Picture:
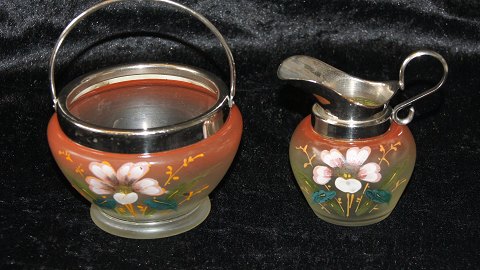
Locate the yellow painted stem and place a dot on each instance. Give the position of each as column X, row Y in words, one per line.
column 173, row 175
column 339, row 204
column 326, row 210
column 361, row 197
column 399, row 183
column 130, row 209
column 350, row 198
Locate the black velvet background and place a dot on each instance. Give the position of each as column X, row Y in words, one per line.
column 259, row 217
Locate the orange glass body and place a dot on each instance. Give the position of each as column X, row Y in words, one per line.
column 148, row 186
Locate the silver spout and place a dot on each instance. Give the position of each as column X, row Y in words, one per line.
column 340, row 94
column 349, row 107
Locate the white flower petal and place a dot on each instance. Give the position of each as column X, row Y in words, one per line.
column 123, row 198
column 148, row 186
column 370, row 172
column 349, row 185
column 103, row 171
column 321, row 175
column 146, row 182
column 351, row 155
column 123, row 172
column 332, row 158
column 92, row 181
column 100, row 191
column 100, row 187
column 356, row 156
column 153, row 191
column 137, row 171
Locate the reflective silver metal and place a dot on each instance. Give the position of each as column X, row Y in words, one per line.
column 164, row 129
column 349, row 107
column 86, row 13
column 346, row 95
column 134, row 127
column 330, row 126
column 410, row 101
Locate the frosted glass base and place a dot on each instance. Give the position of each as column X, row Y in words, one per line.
column 151, row 230
column 353, row 223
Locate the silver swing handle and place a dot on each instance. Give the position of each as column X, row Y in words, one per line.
column 410, row 101
column 86, row 13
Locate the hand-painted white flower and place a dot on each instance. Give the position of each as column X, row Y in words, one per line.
column 125, row 183
column 347, row 170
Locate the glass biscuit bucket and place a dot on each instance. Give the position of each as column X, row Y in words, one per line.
column 145, row 143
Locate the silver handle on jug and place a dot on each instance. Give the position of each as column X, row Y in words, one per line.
column 410, row 101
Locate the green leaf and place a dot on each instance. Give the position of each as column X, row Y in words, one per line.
column 388, row 180
column 308, row 180
column 322, row 196
column 334, row 205
column 365, row 207
column 378, row 195
column 105, row 203
column 161, row 204
column 184, row 187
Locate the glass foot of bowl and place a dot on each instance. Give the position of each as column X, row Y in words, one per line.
column 151, row 230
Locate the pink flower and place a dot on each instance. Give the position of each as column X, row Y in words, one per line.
column 125, row 183
column 348, row 171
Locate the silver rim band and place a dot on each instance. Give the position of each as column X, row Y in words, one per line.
column 141, row 140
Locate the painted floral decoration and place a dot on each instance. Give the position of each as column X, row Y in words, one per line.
column 124, row 184
column 347, row 170
column 127, row 192
column 360, row 188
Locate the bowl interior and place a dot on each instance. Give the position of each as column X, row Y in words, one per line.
column 142, row 104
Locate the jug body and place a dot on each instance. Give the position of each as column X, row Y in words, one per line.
column 354, row 155
column 352, row 182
